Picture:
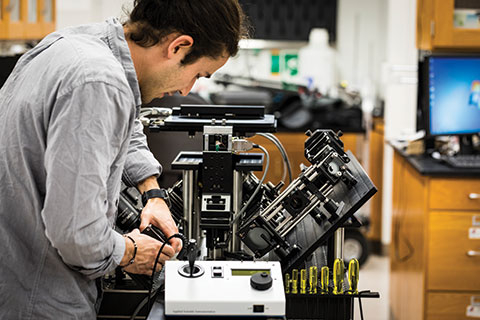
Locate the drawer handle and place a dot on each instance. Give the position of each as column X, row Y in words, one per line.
column 474, row 196
column 473, row 253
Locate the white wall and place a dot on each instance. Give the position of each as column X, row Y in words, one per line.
column 376, row 46
column 75, row 12
column 361, row 42
column 400, row 91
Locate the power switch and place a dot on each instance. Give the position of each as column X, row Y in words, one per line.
column 258, row 308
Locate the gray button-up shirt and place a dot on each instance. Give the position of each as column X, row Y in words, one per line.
column 67, row 133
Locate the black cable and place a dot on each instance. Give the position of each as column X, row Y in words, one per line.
column 184, row 241
column 140, row 306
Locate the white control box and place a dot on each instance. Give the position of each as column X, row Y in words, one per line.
column 224, row 288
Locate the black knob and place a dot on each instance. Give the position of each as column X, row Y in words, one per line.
column 261, row 281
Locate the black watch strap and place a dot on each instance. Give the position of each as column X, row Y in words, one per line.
column 154, row 193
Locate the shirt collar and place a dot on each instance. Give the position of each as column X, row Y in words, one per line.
column 118, row 45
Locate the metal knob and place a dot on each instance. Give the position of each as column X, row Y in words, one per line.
column 473, row 253
column 474, row 196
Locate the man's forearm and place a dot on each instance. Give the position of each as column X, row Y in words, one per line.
column 156, row 212
column 129, row 252
column 148, row 184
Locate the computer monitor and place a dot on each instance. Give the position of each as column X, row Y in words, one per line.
column 449, row 95
column 454, row 95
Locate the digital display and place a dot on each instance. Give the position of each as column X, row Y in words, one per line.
column 454, row 95
column 248, row 272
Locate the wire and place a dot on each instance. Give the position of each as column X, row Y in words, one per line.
column 260, row 183
column 286, row 161
column 280, row 148
column 285, row 154
column 140, row 306
column 177, row 235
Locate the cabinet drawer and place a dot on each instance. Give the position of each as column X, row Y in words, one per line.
column 449, row 265
column 448, row 306
column 455, row 194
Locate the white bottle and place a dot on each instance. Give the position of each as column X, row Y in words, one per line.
column 317, row 62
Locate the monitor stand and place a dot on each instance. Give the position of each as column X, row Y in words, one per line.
column 466, row 144
column 429, row 145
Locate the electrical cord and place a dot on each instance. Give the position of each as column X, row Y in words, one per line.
column 282, row 152
column 184, row 242
column 259, row 187
column 286, row 161
column 285, row 155
column 141, row 305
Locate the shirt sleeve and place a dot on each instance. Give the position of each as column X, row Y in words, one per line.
column 140, row 163
column 83, row 144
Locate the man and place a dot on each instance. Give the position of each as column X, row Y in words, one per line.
column 68, row 135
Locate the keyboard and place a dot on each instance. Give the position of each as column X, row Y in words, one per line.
column 466, row 161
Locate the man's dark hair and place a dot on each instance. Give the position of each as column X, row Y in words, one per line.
column 216, row 26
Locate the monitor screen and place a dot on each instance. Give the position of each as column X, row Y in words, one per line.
column 454, row 95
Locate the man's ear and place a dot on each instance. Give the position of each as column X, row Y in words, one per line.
column 180, row 45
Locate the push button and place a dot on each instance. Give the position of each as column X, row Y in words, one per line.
column 217, row 272
column 258, row 308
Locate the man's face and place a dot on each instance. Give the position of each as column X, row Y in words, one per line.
column 167, row 78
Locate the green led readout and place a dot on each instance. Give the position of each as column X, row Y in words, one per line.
column 248, row 272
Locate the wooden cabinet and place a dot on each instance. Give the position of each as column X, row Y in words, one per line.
column 450, row 266
column 13, row 15
column 3, row 20
column 32, row 24
column 433, row 273
column 47, row 11
column 454, row 194
column 294, row 144
column 26, row 19
column 436, row 29
column 448, row 306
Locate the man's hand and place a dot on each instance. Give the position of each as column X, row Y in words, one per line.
column 156, row 212
column 147, row 250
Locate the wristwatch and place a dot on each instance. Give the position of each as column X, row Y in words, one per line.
column 155, row 193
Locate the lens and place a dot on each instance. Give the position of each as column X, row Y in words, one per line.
column 128, row 218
